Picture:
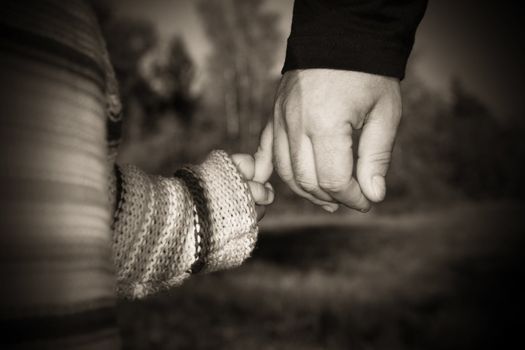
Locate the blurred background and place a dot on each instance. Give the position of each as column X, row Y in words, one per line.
column 436, row 266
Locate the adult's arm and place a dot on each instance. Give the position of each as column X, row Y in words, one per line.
column 372, row 36
column 344, row 61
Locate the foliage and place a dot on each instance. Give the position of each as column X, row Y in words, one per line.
column 454, row 148
column 447, row 147
column 156, row 89
column 240, row 85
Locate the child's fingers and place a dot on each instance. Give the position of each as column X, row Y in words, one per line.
column 246, row 165
column 260, row 210
column 262, row 194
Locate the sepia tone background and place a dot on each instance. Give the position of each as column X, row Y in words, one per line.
column 436, row 266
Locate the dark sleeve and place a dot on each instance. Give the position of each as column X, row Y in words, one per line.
column 373, row 36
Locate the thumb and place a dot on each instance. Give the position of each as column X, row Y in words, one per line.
column 245, row 164
column 375, row 149
column 263, row 156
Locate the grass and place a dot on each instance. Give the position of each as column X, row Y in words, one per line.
column 440, row 280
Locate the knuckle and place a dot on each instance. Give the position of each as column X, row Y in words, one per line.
column 320, row 125
column 283, row 171
column 380, row 158
column 307, row 185
column 282, row 102
column 293, row 119
column 392, row 110
column 285, row 176
column 333, row 185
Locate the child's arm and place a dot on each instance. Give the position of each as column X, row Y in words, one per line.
column 202, row 219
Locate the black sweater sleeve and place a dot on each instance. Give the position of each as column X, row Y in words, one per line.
column 373, row 36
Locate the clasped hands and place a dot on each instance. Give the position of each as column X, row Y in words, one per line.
column 309, row 139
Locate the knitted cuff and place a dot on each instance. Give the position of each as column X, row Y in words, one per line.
column 160, row 233
column 233, row 220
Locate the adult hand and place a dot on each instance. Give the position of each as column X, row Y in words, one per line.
column 310, row 135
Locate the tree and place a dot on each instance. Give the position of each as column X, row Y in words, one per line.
column 166, row 81
column 155, row 81
column 244, row 37
column 479, row 154
column 128, row 40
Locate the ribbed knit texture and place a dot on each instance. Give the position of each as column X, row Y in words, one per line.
column 154, row 242
column 59, row 258
column 58, row 285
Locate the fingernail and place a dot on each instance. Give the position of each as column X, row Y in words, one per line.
column 270, row 194
column 378, row 182
column 330, row 208
column 271, row 197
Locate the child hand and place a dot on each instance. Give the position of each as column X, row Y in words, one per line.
column 263, row 194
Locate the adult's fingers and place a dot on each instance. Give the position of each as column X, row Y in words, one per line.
column 375, row 148
column 303, row 165
column 334, row 164
column 283, row 166
column 263, row 156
